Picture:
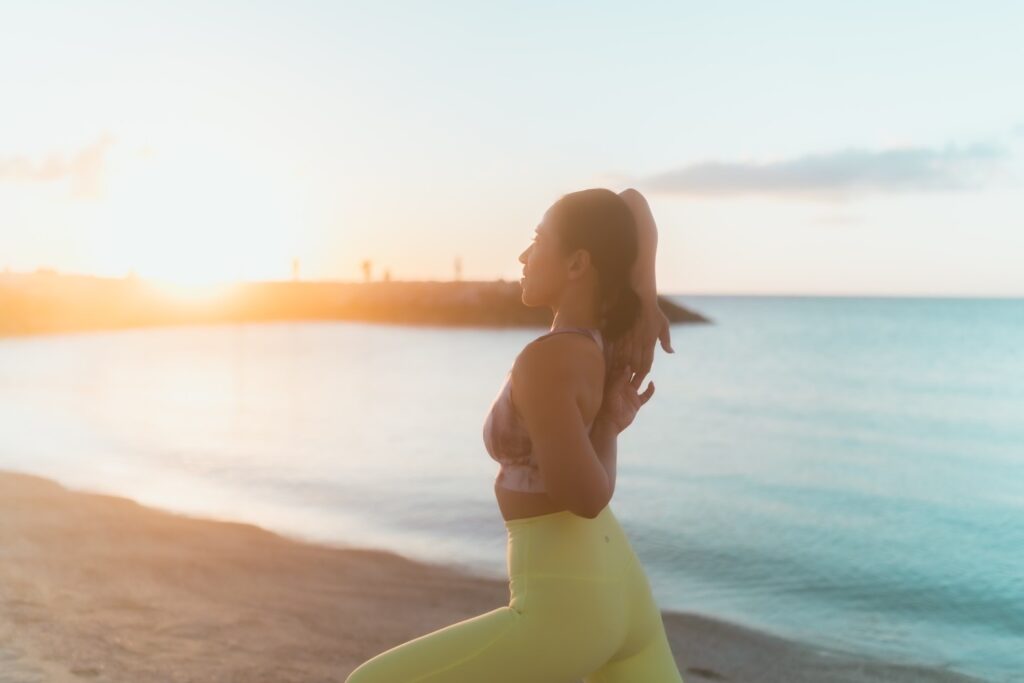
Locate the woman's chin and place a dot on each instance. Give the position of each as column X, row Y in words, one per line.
column 528, row 296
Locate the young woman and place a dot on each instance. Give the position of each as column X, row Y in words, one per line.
column 581, row 606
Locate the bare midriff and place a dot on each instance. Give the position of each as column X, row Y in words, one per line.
column 519, row 504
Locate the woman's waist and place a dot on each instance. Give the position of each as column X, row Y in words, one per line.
column 562, row 543
column 519, row 503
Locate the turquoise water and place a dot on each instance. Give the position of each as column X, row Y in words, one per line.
column 845, row 471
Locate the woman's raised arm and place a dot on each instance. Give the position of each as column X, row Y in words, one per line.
column 636, row 348
column 643, row 274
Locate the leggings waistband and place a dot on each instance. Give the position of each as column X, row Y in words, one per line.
column 567, row 545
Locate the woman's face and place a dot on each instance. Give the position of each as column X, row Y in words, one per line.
column 543, row 266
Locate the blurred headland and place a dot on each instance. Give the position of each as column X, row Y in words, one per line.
column 46, row 301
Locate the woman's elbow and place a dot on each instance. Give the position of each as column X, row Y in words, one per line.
column 602, row 503
column 587, row 510
column 586, row 496
column 631, row 194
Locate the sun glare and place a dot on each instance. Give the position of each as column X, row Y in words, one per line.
column 195, row 221
column 195, row 291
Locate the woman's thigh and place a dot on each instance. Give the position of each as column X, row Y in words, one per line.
column 463, row 649
column 556, row 630
column 569, row 613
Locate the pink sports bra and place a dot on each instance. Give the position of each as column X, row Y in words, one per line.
column 506, row 438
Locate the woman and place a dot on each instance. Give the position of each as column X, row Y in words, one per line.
column 580, row 606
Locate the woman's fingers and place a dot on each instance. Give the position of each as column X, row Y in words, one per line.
column 633, row 398
column 619, row 374
column 626, row 349
column 666, row 339
column 648, row 351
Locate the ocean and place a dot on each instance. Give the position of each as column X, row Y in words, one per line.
column 844, row 471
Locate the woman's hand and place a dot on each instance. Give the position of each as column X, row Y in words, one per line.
column 622, row 399
column 636, row 347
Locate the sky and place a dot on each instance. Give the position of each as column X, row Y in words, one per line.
column 784, row 148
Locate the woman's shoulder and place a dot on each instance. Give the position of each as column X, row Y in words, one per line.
column 562, row 356
column 546, row 369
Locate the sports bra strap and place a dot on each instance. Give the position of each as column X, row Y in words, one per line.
column 582, row 330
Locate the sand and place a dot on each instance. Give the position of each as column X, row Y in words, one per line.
column 99, row 588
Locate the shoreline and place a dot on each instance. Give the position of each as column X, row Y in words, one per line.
column 98, row 587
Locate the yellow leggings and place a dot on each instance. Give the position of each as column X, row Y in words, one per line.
column 580, row 608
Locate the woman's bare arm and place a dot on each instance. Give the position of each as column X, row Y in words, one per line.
column 604, row 433
column 643, row 273
column 636, row 347
column 547, row 377
column 604, row 438
column 620, row 404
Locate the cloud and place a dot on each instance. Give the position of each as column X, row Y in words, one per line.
column 84, row 169
column 833, row 175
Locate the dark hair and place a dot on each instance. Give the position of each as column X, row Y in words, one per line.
column 601, row 222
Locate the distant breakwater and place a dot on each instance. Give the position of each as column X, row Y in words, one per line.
column 40, row 303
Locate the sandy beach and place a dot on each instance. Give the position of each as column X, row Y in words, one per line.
column 99, row 588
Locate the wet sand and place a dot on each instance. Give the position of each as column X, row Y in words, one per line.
column 99, row 588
